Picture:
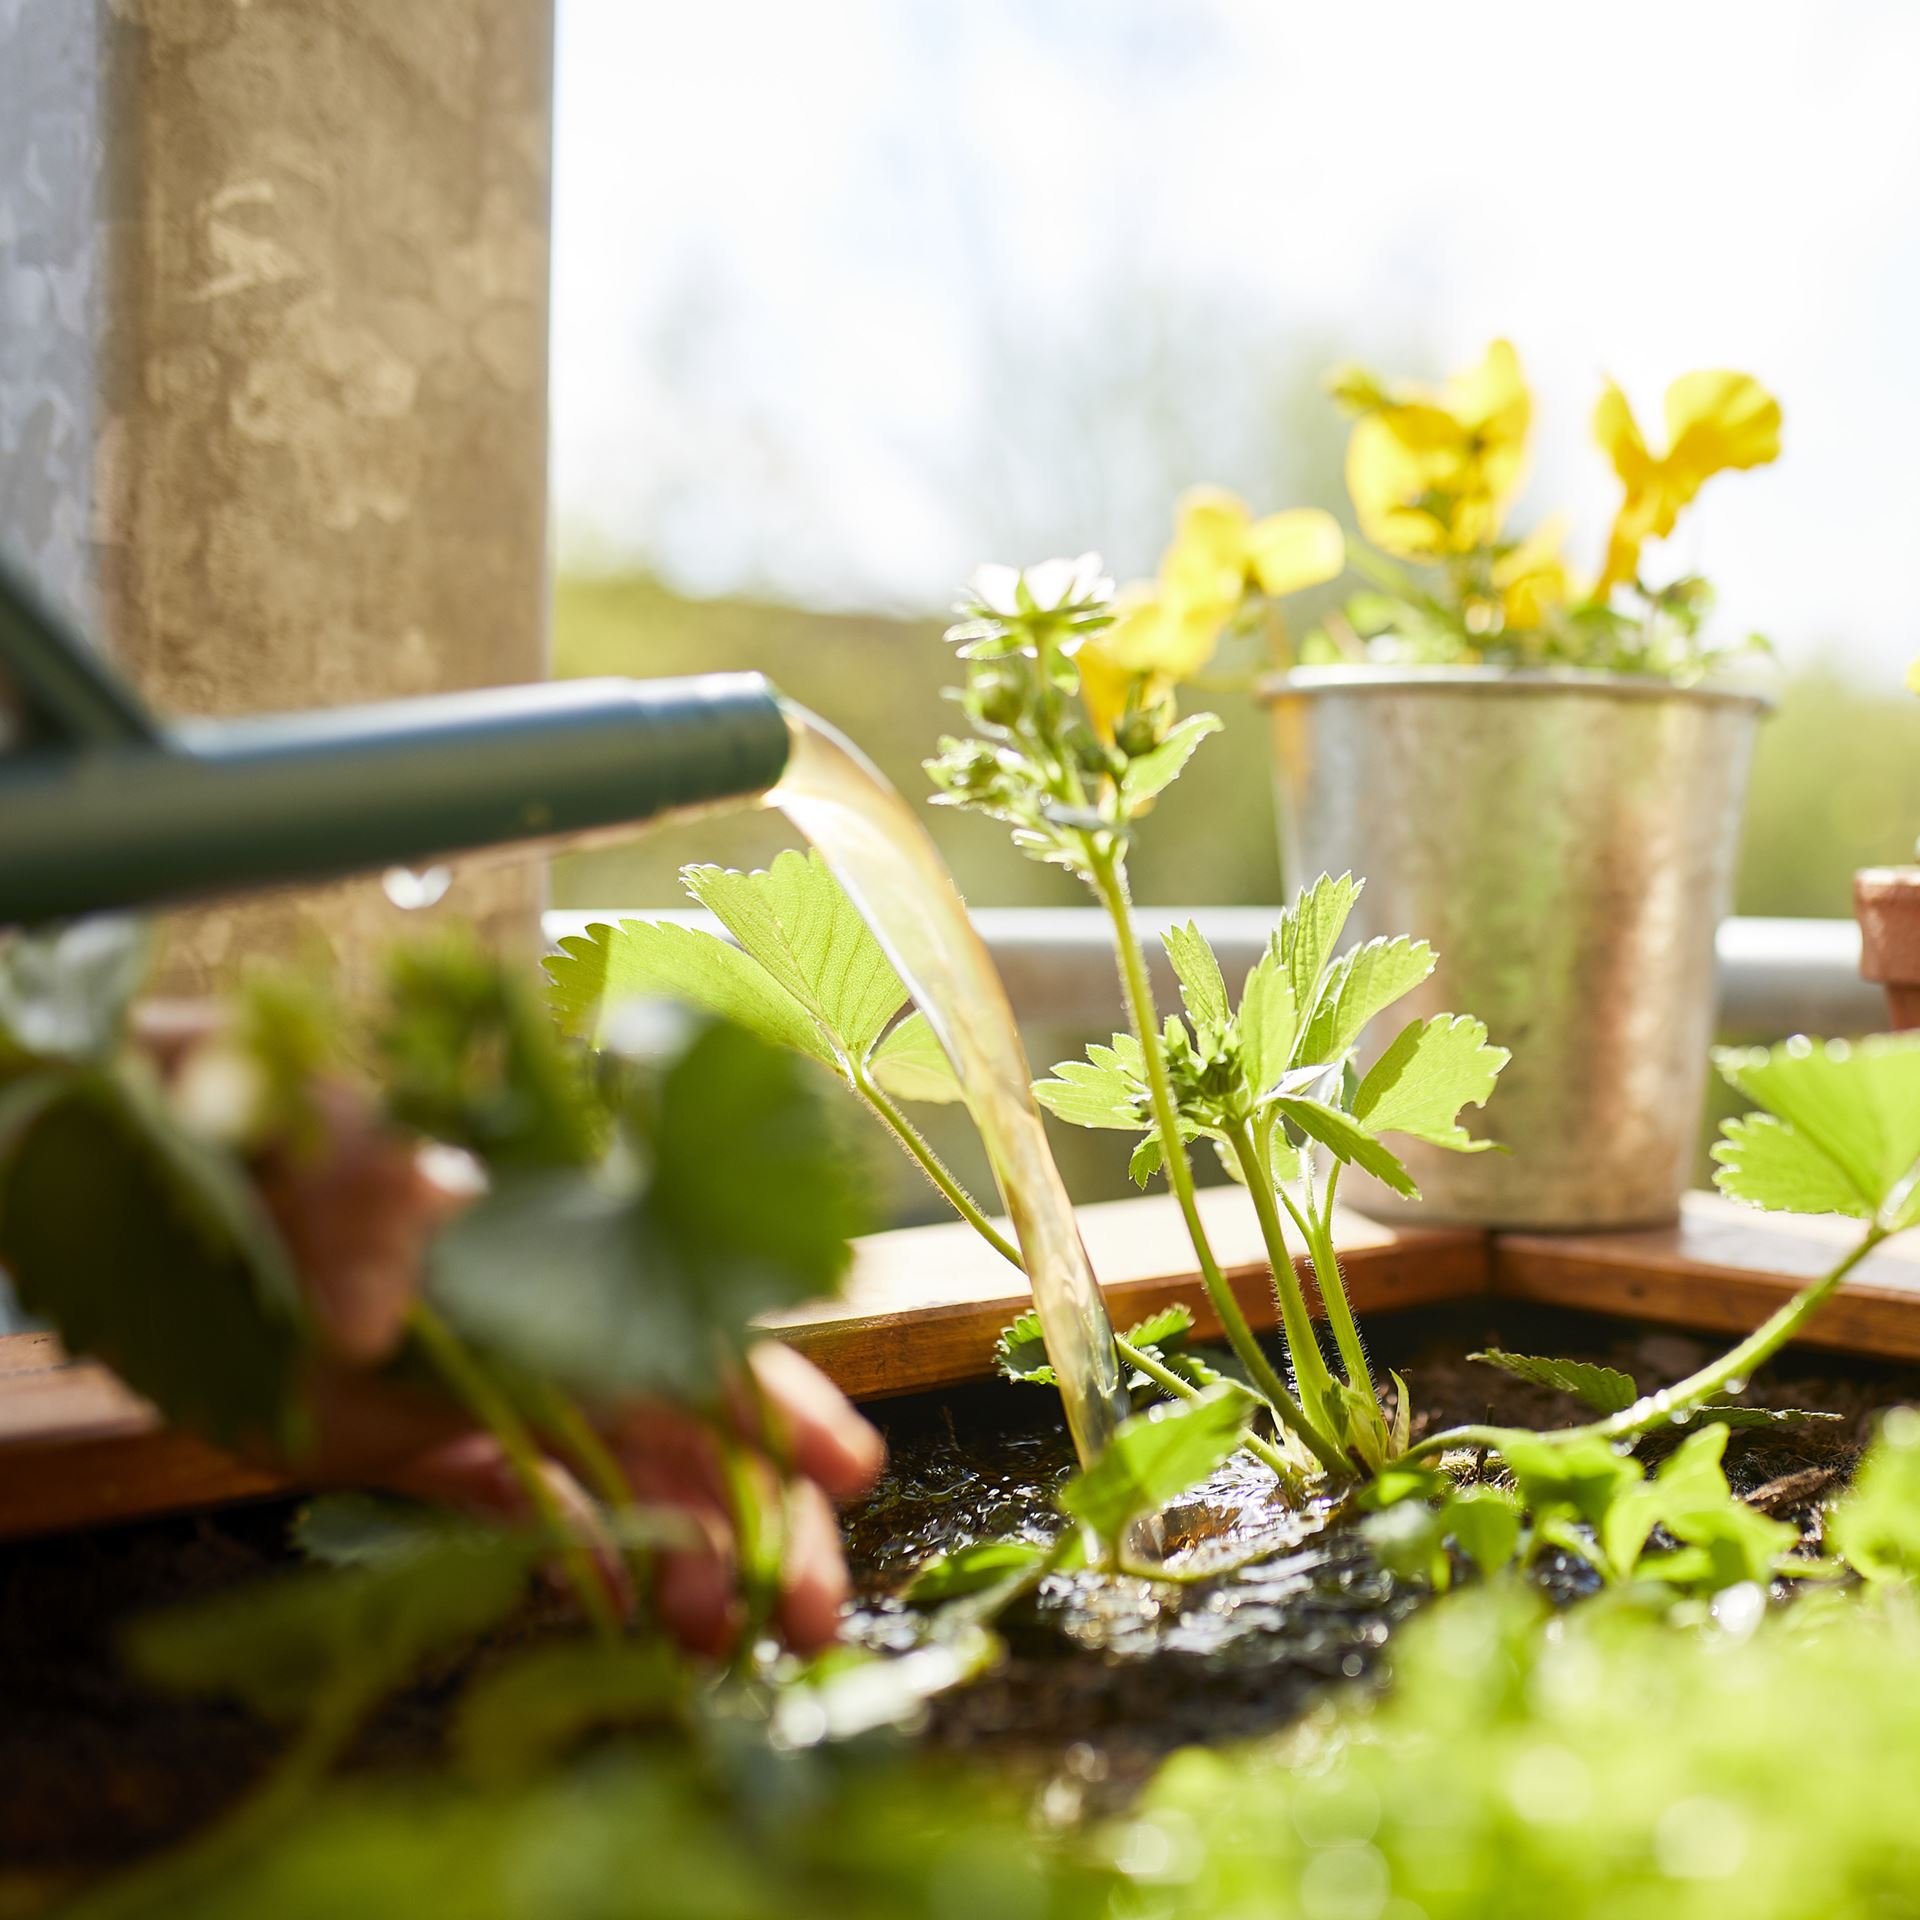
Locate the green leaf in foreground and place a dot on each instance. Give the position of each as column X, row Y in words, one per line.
column 645, row 1277
column 517, row 1720
column 1875, row 1526
column 1156, row 1456
column 1604, row 1389
column 1362, row 982
column 1347, row 1139
column 1156, row 770
column 151, row 1252
column 910, row 1064
column 303, row 1642
column 972, row 1569
column 1849, row 1109
column 1432, row 1070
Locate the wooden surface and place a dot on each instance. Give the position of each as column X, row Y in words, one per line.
column 1723, row 1269
column 923, row 1305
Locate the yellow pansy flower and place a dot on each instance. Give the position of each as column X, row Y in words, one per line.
column 1220, row 551
column 1166, row 630
column 1716, row 420
column 1431, row 473
column 1533, row 578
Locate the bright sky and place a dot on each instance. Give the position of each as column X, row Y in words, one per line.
column 848, row 296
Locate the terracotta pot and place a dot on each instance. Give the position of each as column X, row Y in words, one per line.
column 1886, row 900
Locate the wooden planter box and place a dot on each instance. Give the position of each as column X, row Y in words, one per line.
column 923, row 1306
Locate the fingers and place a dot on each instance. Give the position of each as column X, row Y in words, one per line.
column 356, row 1218
column 814, row 1584
column 824, row 1438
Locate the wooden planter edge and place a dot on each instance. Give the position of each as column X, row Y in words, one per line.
column 923, row 1305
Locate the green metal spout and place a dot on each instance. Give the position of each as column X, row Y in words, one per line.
column 101, row 808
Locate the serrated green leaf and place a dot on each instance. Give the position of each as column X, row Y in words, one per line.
column 1267, row 1021
column 1163, row 1329
column 972, row 1569
column 1419, row 1085
column 796, row 920
column 1604, row 1389
column 1309, row 931
column 521, row 1717
column 1020, row 1353
column 593, row 975
column 1095, row 1092
column 1766, row 1163
column 153, row 1253
column 1857, row 1102
column 1741, row 1419
column 1156, row 1456
column 1347, row 1139
column 368, row 1529
column 287, row 1645
column 1361, row 983
column 1146, row 1160
column 1155, row 771
column 1203, row 990
column 910, row 1064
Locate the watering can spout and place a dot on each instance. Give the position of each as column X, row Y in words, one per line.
column 103, row 808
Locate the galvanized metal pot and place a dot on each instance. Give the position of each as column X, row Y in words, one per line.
column 1566, row 841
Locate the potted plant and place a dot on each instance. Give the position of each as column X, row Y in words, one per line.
column 1886, row 901
column 1544, row 773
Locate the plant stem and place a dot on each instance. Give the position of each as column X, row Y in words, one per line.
column 930, row 1163
column 494, row 1409
column 1110, row 884
column 1654, row 1410
column 1318, row 1227
column 1171, row 1383
column 1303, row 1344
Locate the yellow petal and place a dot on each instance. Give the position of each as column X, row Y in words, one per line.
column 1619, row 436
column 1207, row 564
column 1718, row 420
column 1913, row 677
column 1390, row 478
column 1302, row 547
column 1104, row 685
column 1533, row 576
column 1156, row 635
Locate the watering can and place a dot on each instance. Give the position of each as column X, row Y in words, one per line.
column 104, row 807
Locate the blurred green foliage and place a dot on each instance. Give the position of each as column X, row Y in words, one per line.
column 1601, row 1762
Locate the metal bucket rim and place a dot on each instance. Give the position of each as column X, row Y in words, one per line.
column 1273, row 687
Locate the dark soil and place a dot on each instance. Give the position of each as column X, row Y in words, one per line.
column 1103, row 1677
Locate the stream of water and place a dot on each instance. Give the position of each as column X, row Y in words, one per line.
column 893, row 873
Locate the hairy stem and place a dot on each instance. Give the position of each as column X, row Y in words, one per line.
column 1110, row 884
column 494, row 1409
column 1303, row 1344
column 1654, row 1410
column 1172, row 1384
column 930, row 1163
column 1317, row 1225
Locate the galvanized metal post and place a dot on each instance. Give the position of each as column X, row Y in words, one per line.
column 273, row 342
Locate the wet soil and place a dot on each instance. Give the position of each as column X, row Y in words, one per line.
column 1103, row 1677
